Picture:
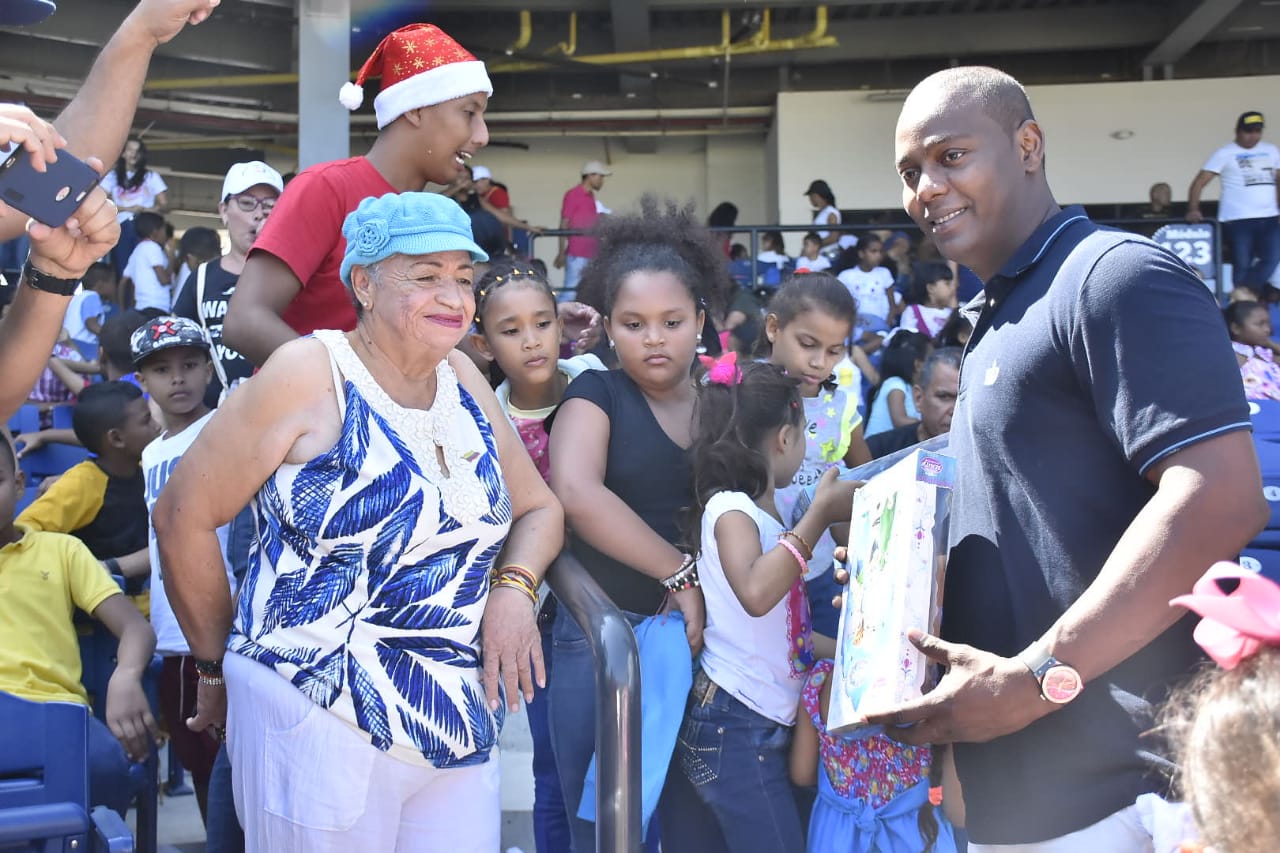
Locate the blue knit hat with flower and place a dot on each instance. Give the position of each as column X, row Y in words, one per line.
column 405, row 224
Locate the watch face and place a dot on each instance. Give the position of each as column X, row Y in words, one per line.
column 1061, row 684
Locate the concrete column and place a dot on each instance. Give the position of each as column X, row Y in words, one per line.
column 324, row 63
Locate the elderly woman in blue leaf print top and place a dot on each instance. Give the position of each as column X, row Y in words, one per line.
column 401, row 532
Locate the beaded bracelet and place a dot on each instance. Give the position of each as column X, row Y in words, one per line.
column 685, row 577
column 210, row 680
column 806, row 548
column 795, row 552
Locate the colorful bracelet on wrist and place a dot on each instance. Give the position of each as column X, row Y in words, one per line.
column 795, row 552
column 511, row 582
column 517, row 577
column 805, row 547
column 685, row 577
column 519, row 571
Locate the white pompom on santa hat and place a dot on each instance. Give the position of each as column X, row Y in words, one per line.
column 420, row 65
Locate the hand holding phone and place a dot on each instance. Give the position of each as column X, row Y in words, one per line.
column 68, row 250
column 48, row 196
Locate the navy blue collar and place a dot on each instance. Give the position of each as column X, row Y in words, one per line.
column 1030, row 252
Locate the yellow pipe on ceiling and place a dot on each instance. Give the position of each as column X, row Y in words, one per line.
column 570, row 47
column 526, row 33
column 222, row 81
column 815, row 38
column 760, row 42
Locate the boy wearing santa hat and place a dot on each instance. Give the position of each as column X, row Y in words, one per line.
column 430, row 114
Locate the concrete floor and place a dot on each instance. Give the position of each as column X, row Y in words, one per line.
column 181, row 831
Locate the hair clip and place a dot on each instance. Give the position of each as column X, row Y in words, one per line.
column 723, row 370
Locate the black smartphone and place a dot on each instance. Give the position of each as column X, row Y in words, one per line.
column 50, row 196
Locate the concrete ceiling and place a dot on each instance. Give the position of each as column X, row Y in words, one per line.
column 877, row 45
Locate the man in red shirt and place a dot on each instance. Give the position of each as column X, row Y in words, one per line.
column 579, row 211
column 430, row 120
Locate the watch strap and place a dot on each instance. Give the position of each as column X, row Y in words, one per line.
column 1037, row 659
column 209, row 668
column 43, row 281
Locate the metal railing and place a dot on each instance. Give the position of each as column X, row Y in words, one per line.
column 617, row 681
column 753, row 232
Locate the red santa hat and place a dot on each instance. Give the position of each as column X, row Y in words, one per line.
column 420, row 65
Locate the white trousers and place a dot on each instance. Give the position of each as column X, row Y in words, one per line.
column 1151, row 825
column 306, row 781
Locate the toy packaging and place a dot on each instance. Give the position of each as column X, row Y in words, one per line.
column 897, row 555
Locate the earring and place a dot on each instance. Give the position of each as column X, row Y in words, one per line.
column 611, row 343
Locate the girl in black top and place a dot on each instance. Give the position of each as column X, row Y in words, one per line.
column 619, row 450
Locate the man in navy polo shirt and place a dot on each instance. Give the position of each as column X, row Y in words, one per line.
column 1105, row 462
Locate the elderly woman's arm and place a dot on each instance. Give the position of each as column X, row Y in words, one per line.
column 288, row 410
column 512, row 647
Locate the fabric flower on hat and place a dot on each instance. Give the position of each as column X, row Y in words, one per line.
column 372, row 237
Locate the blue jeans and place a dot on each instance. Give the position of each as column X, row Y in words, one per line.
column 737, row 793
column 1255, row 249
column 222, row 828
column 572, row 714
column 573, row 267
column 110, row 783
column 550, row 817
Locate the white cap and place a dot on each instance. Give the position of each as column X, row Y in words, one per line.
column 479, row 173
column 242, row 176
column 595, row 167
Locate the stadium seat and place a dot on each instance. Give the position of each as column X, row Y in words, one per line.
column 26, row 419
column 44, row 781
column 98, row 662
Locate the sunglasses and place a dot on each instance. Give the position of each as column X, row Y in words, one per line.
column 250, row 203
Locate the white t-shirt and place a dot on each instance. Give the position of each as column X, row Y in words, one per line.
column 148, row 290
column 934, row 319
column 144, row 196
column 746, row 655
column 1248, row 178
column 870, row 290
column 881, row 419
column 846, row 241
column 84, row 305
column 158, row 461
column 777, row 259
column 817, row 264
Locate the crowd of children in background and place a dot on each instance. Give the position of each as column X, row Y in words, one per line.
column 657, row 475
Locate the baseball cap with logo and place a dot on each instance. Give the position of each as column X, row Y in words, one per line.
column 1252, row 119
column 164, row 333
column 242, row 176
column 595, row 167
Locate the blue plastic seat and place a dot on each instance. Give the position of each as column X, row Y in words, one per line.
column 44, row 781
column 98, row 662
column 26, row 419
column 52, row 460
